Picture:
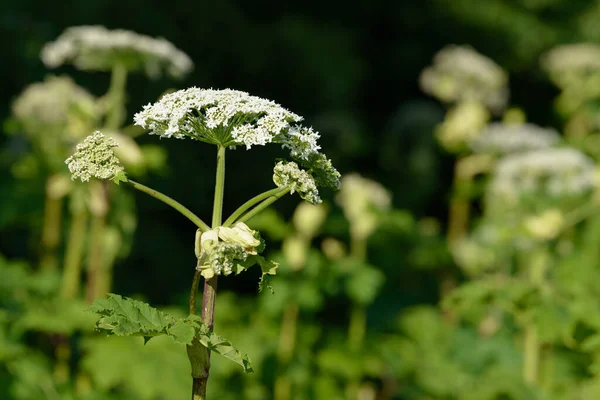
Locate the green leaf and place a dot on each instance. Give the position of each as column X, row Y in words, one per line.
column 127, row 317
column 219, row 344
column 123, row 316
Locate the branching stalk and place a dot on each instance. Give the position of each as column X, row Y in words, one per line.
column 171, row 202
column 249, row 204
column 264, row 205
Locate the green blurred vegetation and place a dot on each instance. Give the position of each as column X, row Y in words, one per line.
column 453, row 292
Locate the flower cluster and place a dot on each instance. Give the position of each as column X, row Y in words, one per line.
column 95, row 158
column 546, row 172
column 460, row 73
column 288, row 174
column 223, row 248
column 51, row 103
column 98, row 48
column 500, row 138
column 361, row 199
column 463, row 123
column 569, row 65
column 234, row 118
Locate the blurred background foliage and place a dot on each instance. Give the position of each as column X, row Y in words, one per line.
column 454, row 292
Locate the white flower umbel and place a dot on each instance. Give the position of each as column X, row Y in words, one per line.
column 551, row 173
column 232, row 118
column 51, row 104
column 223, row 248
column 460, row 73
column 500, row 138
column 288, row 174
column 99, row 49
column 95, row 158
column 361, row 199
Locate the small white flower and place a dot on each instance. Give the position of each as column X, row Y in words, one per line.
column 95, row 158
column 288, row 174
column 459, row 73
column 500, row 138
column 98, row 48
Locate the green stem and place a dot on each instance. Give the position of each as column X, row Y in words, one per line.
column 171, row 202
column 219, row 188
column 536, row 270
column 264, row 205
column 287, row 341
column 51, row 230
column 249, row 204
column 357, row 327
column 116, row 97
column 72, row 270
column 200, row 356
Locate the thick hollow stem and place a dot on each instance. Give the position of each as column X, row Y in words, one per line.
column 171, row 202
column 264, row 205
column 249, row 204
column 72, row 270
column 51, row 231
column 200, row 356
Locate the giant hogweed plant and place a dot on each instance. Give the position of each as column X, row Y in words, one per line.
column 226, row 119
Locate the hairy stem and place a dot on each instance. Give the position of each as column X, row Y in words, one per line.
column 171, row 202
column 74, row 253
column 51, row 230
column 200, row 356
column 249, row 204
column 264, row 205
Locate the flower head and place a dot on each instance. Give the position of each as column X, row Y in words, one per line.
column 233, row 118
column 463, row 123
column 288, row 174
column 99, row 49
column 361, row 199
column 460, row 73
column 95, row 158
column 541, row 175
column 570, row 65
column 51, row 104
column 499, row 138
